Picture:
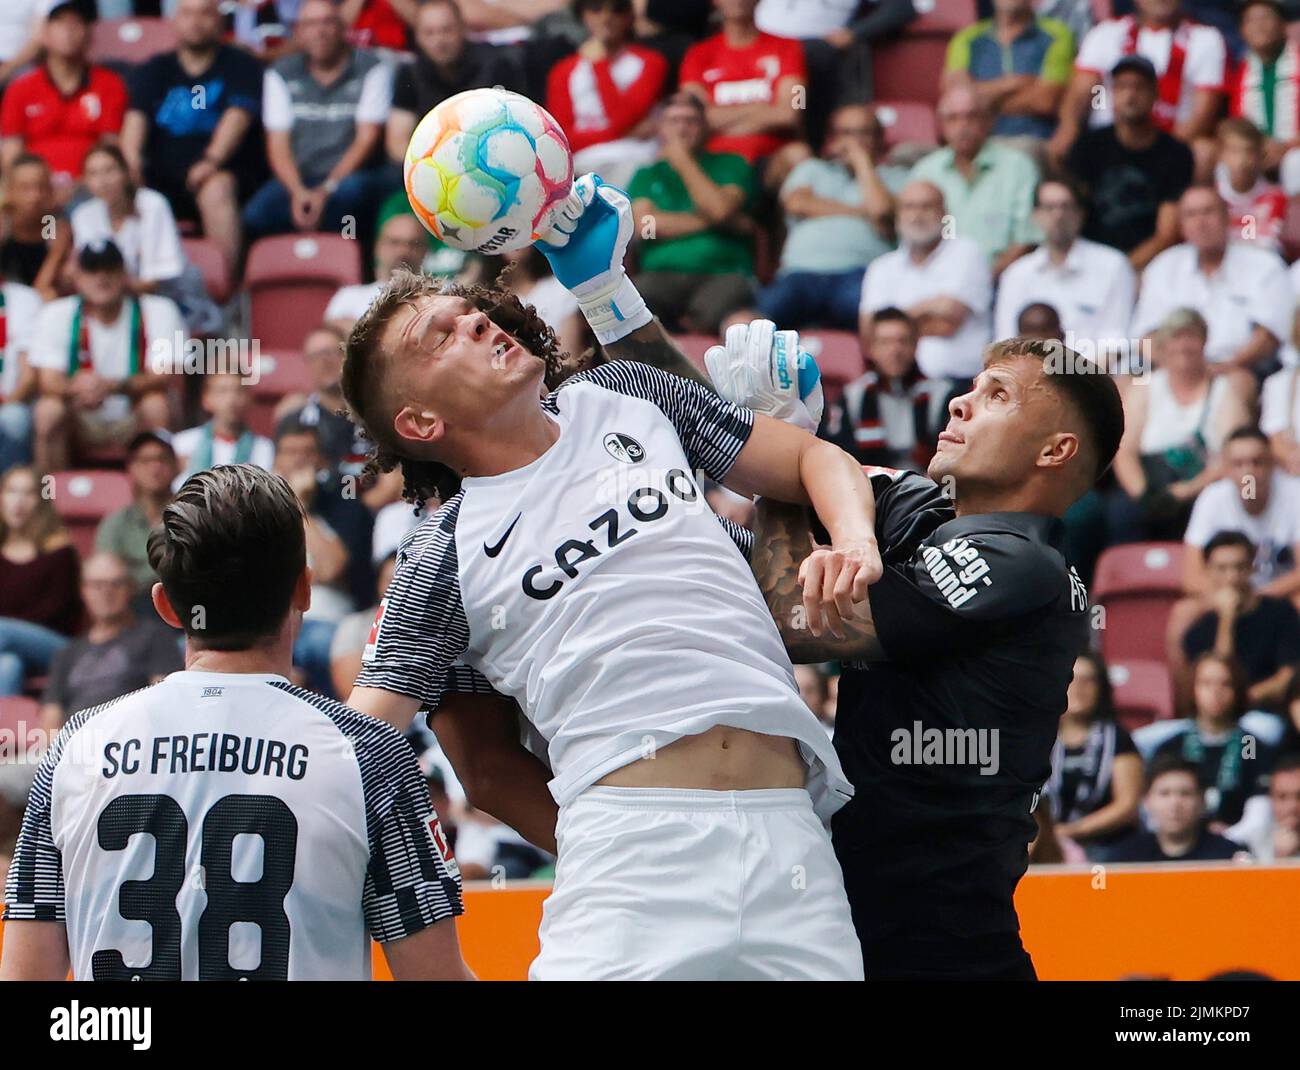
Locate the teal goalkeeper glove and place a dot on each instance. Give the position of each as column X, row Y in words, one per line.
column 586, row 245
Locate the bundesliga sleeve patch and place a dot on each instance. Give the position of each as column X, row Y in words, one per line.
column 372, row 640
column 441, row 845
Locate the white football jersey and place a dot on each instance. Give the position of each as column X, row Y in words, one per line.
column 222, row 826
column 596, row 588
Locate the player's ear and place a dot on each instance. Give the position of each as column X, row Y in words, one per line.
column 420, row 425
column 162, row 604
column 1059, row 450
column 301, row 599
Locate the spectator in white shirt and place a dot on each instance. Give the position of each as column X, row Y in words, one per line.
column 19, row 307
column 226, row 438
column 324, row 110
column 1243, row 292
column 141, row 224
column 1270, row 825
column 1090, row 285
column 942, row 283
column 103, row 358
column 1175, row 423
column 401, row 244
column 1280, row 417
column 1256, row 499
column 1191, row 68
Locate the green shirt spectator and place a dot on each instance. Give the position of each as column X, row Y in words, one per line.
column 1019, row 63
column 988, row 188
column 715, row 251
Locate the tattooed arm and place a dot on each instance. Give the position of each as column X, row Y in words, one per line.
column 651, row 345
column 782, row 540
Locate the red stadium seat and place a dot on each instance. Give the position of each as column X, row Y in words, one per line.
column 838, row 354
column 910, row 66
column 208, row 257
column 281, row 373
column 907, row 121
column 131, row 40
column 19, row 715
column 83, row 497
column 694, row 346
column 1137, row 584
column 1143, row 692
column 290, row 279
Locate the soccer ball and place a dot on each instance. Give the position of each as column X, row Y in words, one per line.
column 485, row 170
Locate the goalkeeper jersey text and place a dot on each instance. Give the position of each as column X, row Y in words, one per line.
column 595, row 587
column 221, row 826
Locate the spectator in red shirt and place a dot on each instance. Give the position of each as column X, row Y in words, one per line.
column 61, row 110
column 378, row 23
column 603, row 94
column 1257, row 207
column 749, row 82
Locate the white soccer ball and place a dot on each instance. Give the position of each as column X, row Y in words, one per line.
column 485, row 170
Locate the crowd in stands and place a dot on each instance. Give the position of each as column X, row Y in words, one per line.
column 1122, row 177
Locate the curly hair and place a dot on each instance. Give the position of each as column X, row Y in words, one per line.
column 364, row 371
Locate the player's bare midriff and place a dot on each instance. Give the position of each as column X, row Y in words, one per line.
column 721, row 759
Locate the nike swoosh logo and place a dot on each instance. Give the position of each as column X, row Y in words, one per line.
column 492, row 551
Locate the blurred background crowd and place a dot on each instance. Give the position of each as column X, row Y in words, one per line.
column 903, row 181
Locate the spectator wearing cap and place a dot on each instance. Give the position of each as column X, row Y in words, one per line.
column 1090, row 285
column 1176, row 421
column 747, row 81
column 1256, row 206
column 400, row 243
column 67, row 105
column 1017, row 63
column 839, row 216
column 892, row 414
column 689, row 206
column 1253, row 497
column 1241, row 289
column 340, row 440
column 20, row 37
column 603, row 95
column 324, row 110
column 124, row 648
column 35, row 239
column 102, row 356
column 1261, row 632
column 19, row 308
column 988, row 186
column 151, row 469
column 446, row 63
column 1189, row 61
column 942, row 283
column 203, row 160
column 1265, row 87
column 1134, row 172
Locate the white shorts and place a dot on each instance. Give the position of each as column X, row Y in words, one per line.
column 675, row 884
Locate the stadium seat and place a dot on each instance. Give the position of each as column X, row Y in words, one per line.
column 910, row 66
column 694, row 346
column 1143, row 692
column 19, row 715
column 131, row 40
column 208, row 257
column 282, row 372
column 1137, row 584
column 290, row 279
column 838, row 354
column 83, row 497
column 907, row 122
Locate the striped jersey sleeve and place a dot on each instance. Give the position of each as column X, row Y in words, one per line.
column 712, row 431
column 421, row 629
column 34, row 889
column 412, row 880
